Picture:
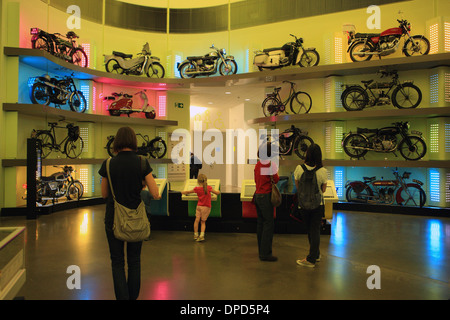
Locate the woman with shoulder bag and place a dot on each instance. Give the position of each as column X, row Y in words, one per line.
column 312, row 217
column 127, row 173
column 265, row 174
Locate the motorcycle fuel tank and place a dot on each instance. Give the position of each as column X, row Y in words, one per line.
column 391, row 32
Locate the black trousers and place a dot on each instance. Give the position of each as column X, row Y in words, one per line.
column 265, row 224
column 313, row 220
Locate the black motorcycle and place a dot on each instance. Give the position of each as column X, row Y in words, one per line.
column 46, row 90
column 294, row 139
column 58, row 185
column 208, row 64
column 55, row 44
column 411, row 145
column 155, row 148
column 287, row 55
column 404, row 95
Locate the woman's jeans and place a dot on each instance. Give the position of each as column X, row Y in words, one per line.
column 313, row 220
column 125, row 290
column 265, row 224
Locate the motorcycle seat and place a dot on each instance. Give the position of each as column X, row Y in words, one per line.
column 369, row 178
column 366, row 35
column 367, row 81
column 47, row 179
column 365, row 130
column 272, row 49
column 122, row 55
column 125, row 95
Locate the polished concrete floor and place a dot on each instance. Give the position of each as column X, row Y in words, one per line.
column 412, row 253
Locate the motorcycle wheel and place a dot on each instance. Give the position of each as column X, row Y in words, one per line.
column 354, row 98
column 357, row 51
column 270, row 106
column 412, row 196
column 158, row 148
column 302, row 144
column 46, row 143
column 155, row 70
column 185, row 67
column 227, row 68
column 419, row 45
column 112, row 66
column 73, row 148
column 406, row 96
column 75, row 190
column 415, row 151
column 41, row 44
column 77, row 102
column 362, row 196
column 40, row 94
column 109, row 147
column 352, row 143
column 309, row 58
column 79, row 58
column 300, row 103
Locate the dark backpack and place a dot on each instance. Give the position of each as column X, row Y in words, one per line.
column 309, row 196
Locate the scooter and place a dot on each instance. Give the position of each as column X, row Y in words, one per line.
column 123, row 104
column 123, row 63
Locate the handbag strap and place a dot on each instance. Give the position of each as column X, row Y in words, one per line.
column 109, row 178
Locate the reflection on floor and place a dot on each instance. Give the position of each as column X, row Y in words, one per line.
column 413, row 254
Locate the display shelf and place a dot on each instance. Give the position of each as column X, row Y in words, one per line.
column 67, row 161
column 46, row 62
column 40, row 110
column 354, row 115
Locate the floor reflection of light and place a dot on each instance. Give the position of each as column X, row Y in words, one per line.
column 84, row 224
column 338, row 235
column 161, row 291
column 435, row 247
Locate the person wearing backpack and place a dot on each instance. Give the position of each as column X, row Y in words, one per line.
column 311, row 182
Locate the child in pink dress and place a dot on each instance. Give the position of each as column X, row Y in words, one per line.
column 203, row 210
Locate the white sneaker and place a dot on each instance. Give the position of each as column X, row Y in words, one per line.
column 305, row 263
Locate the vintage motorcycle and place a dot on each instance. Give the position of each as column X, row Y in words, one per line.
column 207, row 65
column 387, row 192
column 55, row 44
column 123, row 63
column 362, row 46
column 57, row 185
column 46, row 90
column 288, row 54
column 404, row 95
column 294, row 139
column 411, row 146
column 123, row 104
column 155, row 148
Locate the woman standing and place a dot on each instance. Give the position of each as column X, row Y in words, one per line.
column 313, row 218
column 265, row 174
column 127, row 173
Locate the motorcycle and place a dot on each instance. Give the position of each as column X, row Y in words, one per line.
column 387, row 192
column 362, row 46
column 46, row 90
column 155, row 148
column 404, row 95
column 55, row 44
column 288, row 54
column 124, row 105
column 411, row 146
column 58, row 185
column 123, row 63
column 207, row 65
column 294, row 139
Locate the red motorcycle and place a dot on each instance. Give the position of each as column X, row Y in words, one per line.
column 362, row 46
column 123, row 104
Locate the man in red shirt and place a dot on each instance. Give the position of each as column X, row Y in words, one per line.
column 266, row 173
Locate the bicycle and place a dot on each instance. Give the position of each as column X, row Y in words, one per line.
column 299, row 101
column 73, row 143
column 155, row 148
